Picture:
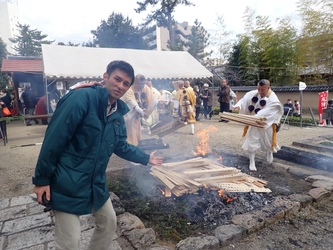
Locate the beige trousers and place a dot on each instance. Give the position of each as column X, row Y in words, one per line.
column 68, row 230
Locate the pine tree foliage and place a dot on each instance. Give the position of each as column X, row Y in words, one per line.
column 198, row 42
column 117, row 32
column 163, row 15
column 29, row 41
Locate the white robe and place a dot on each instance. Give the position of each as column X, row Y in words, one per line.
column 273, row 110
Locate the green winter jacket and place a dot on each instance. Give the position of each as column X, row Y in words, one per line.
column 76, row 149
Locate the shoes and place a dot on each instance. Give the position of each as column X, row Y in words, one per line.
column 210, row 118
column 226, row 121
column 185, row 123
column 28, row 124
column 192, row 133
column 222, row 120
column 36, row 121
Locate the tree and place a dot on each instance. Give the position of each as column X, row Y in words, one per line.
column 316, row 39
column 3, row 53
column 29, row 41
column 221, row 39
column 163, row 15
column 68, row 44
column 198, row 42
column 118, row 32
column 281, row 53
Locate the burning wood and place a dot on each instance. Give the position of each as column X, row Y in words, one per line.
column 189, row 176
column 251, row 120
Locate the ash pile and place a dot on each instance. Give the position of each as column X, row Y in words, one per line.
column 209, row 208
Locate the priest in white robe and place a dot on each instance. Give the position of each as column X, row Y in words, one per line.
column 261, row 102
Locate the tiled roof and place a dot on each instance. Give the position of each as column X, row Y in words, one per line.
column 309, row 88
column 33, row 66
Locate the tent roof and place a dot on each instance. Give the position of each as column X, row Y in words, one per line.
column 90, row 63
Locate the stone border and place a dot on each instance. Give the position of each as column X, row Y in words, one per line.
column 309, row 144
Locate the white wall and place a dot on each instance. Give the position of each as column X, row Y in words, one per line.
column 9, row 17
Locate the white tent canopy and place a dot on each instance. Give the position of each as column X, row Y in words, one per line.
column 70, row 62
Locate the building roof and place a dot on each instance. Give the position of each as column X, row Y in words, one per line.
column 309, row 88
column 28, row 66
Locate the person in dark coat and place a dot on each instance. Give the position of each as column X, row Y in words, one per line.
column 6, row 98
column 223, row 93
column 198, row 102
column 29, row 101
column 86, row 128
column 207, row 97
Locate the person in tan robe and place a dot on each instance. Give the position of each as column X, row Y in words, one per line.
column 187, row 100
column 140, row 100
column 154, row 116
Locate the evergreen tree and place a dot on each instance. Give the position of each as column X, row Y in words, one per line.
column 29, row 41
column 117, row 32
column 163, row 15
column 68, row 44
column 3, row 53
column 198, row 42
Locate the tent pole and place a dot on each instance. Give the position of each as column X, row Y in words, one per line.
column 47, row 96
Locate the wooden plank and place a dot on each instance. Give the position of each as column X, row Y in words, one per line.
column 163, row 179
column 171, row 164
column 167, row 192
column 221, row 178
column 179, row 178
column 212, row 171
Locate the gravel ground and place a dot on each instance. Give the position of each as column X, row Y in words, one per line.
column 305, row 231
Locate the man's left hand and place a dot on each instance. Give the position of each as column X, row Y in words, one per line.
column 155, row 160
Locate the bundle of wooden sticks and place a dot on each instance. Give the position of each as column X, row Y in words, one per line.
column 251, row 120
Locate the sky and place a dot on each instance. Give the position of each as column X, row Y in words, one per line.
column 72, row 20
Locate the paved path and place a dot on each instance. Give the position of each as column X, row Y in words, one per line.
column 25, row 225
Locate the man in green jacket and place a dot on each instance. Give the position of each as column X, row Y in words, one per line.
column 86, row 129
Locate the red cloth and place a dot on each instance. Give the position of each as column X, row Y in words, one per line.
column 41, row 107
column 322, row 105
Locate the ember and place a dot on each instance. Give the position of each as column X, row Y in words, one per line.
column 210, row 209
column 227, row 198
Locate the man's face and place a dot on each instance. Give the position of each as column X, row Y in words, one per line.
column 117, row 83
column 223, row 82
column 139, row 82
column 263, row 90
column 186, row 84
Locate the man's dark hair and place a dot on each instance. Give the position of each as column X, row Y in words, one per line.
column 330, row 102
column 263, row 82
column 122, row 65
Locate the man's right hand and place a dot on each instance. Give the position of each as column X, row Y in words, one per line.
column 140, row 111
column 40, row 190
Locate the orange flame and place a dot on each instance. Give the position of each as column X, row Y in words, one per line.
column 227, row 198
column 162, row 191
column 203, row 147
